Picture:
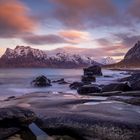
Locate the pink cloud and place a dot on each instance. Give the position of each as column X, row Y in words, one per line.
column 14, row 19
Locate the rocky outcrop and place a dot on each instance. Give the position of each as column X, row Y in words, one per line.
column 131, row 59
column 134, row 80
column 12, row 119
column 89, row 89
column 41, row 81
column 117, row 87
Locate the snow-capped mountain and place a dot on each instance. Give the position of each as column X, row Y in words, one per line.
column 28, row 57
column 107, row 60
column 21, row 51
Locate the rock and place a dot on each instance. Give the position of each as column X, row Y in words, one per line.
column 132, row 100
column 117, row 87
column 16, row 116
column 60, row 81
column 93, row 70
column 88, row 79
column 108, row 76
column 41, row 81
column 12, row 119
column 134, row 80
column 89, row 89
column 76, row 85
column 6, row 132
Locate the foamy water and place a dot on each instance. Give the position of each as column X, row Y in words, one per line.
column 15, row 82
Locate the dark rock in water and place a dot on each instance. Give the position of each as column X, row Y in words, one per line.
column 108, row 76
column 41, row 81
column 13, row 118
column 76, row 85
column 89, row 89
column 88, row 79
column 117, row 87
column 60, row 81
column 134, row 80
column 93, row 70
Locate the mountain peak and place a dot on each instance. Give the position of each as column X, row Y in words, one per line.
column 22, row 47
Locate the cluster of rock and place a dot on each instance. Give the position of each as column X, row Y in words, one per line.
column 43, row 81
column 87, row 87
column 90, row 73
column 87, row 84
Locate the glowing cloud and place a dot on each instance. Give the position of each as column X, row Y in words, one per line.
column 14, row 19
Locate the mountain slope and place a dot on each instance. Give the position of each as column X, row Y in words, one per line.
column 131, row 59
column 28, row 57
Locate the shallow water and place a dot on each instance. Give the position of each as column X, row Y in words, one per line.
column 17, row 81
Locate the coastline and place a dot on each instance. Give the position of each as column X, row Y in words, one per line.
column 78, row 113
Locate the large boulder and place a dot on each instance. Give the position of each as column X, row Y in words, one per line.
column 16, row 116
column 117, row 87
column 88, row 79
column 12, row 119
column 93, row 70
column 41, row 81
column 134, row 80
column 89, row 89
column 76, row 85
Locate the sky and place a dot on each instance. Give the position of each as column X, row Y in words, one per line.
column 110, row 27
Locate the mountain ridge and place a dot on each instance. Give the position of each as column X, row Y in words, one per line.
column 25, row 56
column 131, row 58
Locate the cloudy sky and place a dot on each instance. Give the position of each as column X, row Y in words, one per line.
column 110, row 27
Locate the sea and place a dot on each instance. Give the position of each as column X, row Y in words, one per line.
column 17, row 81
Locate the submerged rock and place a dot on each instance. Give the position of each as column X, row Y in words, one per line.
column 117, row 87
column 89, row 89
column 41, row 81
column 130, row 100
column 60, row 81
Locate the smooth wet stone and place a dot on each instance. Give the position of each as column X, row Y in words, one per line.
column 84, row 118
column 107, row 120
column 117, row 87
column 16, row 116
column 129, row 100
column 12, row 119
